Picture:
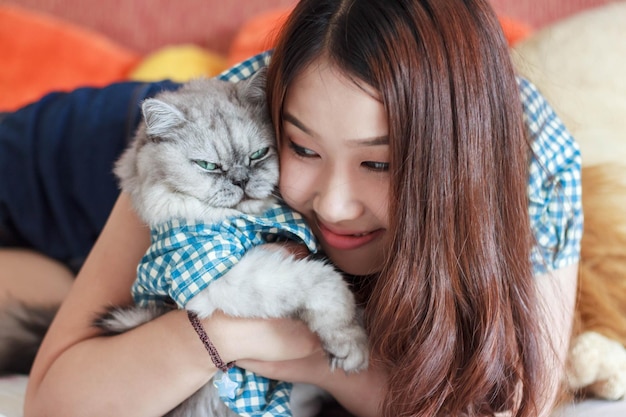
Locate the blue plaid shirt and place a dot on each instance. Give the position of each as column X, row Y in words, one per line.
column 554, row 185
column 555, row 208
column 186, row 256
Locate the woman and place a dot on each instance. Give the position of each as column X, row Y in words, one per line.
column 402, row 142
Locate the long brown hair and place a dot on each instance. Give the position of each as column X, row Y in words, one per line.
column 453, row 314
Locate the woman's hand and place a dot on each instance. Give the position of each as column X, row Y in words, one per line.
column 260, row 340
column 360, row 393
column 312, row 369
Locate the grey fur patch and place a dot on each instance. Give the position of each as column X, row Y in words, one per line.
column 22, row 329
column 118, row 320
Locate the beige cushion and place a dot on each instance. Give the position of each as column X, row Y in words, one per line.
column 579, row 64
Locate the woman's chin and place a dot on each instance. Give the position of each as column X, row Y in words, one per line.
column 362, row 261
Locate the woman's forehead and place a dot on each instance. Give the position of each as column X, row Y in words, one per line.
column 324, row 103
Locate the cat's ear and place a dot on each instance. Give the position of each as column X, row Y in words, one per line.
column 160, row 118
column 254, row 87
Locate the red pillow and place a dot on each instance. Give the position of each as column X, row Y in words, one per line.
column 40, row 54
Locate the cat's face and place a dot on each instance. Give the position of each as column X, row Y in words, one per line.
column 211, row 142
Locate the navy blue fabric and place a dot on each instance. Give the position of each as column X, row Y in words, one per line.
column 56, row 158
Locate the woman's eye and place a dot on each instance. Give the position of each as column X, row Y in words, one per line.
column 376, row 166
column 259, row 154
column 301, row 151
column 207, row 166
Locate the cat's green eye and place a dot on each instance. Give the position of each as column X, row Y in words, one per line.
column 259, row 154
column 207, row 166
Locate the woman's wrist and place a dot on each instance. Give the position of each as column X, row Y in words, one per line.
column 208, row 344
column 226, row 335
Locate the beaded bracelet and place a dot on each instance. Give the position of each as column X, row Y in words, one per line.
column 210, row 347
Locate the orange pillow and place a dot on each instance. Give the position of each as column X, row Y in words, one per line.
column 514, row 30
column 40, row 54
column 259, row 34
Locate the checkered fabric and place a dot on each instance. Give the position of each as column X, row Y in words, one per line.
column 555, row 208
column 246, row 68
column 186, row 256
column 554, row 185
column 258, row 396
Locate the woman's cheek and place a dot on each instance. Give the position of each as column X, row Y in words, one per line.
column 293, row 182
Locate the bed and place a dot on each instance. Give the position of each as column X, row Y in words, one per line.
column 12, row 399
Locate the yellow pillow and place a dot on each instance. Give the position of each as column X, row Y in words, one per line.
column 178, row 63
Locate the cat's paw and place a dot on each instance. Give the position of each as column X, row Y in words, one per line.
column 347, row 349
column 202, row 304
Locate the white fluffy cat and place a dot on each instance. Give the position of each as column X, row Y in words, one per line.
column 205, row 155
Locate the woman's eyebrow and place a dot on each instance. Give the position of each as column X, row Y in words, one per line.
column 288, row 117
column 373, row 141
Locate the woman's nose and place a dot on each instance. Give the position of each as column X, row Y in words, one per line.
column 337, row 198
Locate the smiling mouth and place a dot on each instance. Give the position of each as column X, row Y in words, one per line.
column 347, row 241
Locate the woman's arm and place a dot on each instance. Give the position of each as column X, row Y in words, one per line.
column 148, row 370
column 557, row 294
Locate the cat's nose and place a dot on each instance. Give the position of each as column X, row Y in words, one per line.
column 238, row 176
column 240, row 182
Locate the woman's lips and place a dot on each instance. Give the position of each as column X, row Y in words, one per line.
column 347, row 240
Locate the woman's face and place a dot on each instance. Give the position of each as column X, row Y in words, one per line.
column 334, row 161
